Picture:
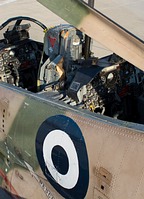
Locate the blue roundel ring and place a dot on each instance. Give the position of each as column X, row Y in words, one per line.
column 62, row 155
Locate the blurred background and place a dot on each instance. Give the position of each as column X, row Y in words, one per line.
column 127, row 13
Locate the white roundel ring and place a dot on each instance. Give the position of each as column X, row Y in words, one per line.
column 62, row 139
column 62, row 155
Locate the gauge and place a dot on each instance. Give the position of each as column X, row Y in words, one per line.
column 103, row 79
column 17, row 63
column 12, row 53
column 5, row 55
column 5, row 62
column 111, row 79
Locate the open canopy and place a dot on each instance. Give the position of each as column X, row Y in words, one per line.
column 100, row 28
column 127, row 13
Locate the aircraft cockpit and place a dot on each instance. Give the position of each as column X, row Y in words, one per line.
column 109, row 85
column 19, row 55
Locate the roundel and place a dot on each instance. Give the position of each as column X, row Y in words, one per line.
column 62, row 155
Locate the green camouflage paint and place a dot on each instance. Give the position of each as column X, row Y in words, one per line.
column 23, row 131
column 70, row 10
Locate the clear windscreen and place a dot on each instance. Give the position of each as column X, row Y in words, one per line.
column 126, row 13
column 35, row 32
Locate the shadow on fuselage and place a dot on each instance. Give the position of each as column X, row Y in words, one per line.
column 4, row 194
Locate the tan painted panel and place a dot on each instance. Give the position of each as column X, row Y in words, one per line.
column 118, row 151
column 25, row 185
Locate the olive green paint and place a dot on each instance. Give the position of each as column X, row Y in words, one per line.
column 23, row 131
column 71, row 11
